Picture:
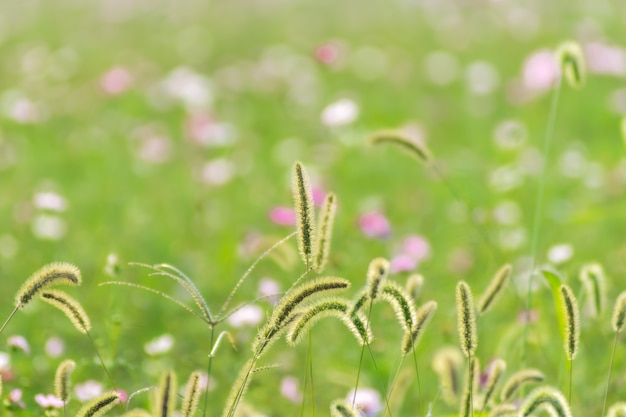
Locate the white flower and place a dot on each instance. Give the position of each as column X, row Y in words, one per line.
column 161, row 344
column 54, row 347
column 340, row 113
column 247, row 315
column 218, row 171
column 48, row 227
column 88, row 390
column 192, row 89
column 49, row 201
column 367, row 400
column 559, row 254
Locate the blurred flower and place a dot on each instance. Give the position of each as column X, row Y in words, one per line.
column 205, row 382
column 402, row 263
column 374, row 224
column 290, row 390
column 54, row 347
column 318, row 196
column 159, row 345
column 188, row 87
column 559, row 254
column 48, row 227
column 416, row 247
column 327, row 53
column 269, row 289
column 510, row 135
column 21, row 109
column 482, row 77
column 202, row 129
column 5, row 360
column 14, row 399
column 49, row 201
column 217, row 172
column 507, row 212
column 340, row 113
column 154, row 149
column 18, row 343
column 367, row 400
column 283, row 216
column 88, row 390
column 48, row 401
column 123, row 395
column 527, row 317
column 249, row 315
column 112, row 266
column 540, row 71
column 441, row 67
column 116, row 81
column 605, row 59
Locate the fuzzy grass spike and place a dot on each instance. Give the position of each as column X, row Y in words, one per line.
column 545, row 396
column 423, row 316
column 70, row 307
column 100, row 405
column 594, row 281
column 58, row 273
column 62, row 379
column 569, row 306
column 166, row 399
column 497, row 284
column 325, row 232
column 402, row 304
column 396, row 138
column 466, row 319
column 192, row 395
column 518, row 380
column 303, row 203
column 572, row 62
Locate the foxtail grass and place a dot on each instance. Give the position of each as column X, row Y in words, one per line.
column 617, row 410
column 72, row 309
column 376, row 275
column 518, row 380
column 594, row 282
column 466, row 319
column 305, row 222
column 497, row 284
column 571, row 59
column 617, row 322
column 545, row 396
column 62, row 380
column 100, row 405
column 191, row 397
column 497, row 368
column 401, row 302
column 503, row 410
column 414, row 284
column 422, row 318
column 447, row 363
column 166, row 399
column 569, row 306
column 396, row 138
column 340, row 408
column 325, row 232
column 471, row 375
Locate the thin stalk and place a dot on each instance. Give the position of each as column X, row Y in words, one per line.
column 106, row 370
column 8, row 319
column 569, row 396
column 358, row 372
column 392, row 385
column 538, row 208
column 471, row 384
column 305, row 385
column 311, row 376
column 419, row 386
column 608, row 378
column 208, row 372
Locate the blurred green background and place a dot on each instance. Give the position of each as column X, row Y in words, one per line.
column 165, row 131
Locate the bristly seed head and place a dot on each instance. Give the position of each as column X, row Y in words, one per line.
column 305, row 222
column 572, row 61
column 593, row 279
column 340, row 408
column 100, row 405
column 62, row 382
column 325, row 232
column 519, row 379
column 70, row 307
column 466, row 319
column 497, row 284
column 376, row 275
column 572, row 321
column 423, row 317
column 57, row 273
column 545, row 396
column 192, row 395
column 417, row 149
column 619, row 313
column 617, row 410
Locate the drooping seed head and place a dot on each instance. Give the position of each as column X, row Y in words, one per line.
column 423, row 316
column 57, row 273
column 303, row 203
column 572, row 61
column 497, row 284
column 100, row 405
column 594, row 281
column 376, row 274
column 70, row 307
column 62, row 380
column 166, row 400
column 401, row 302
column 503, row 410
column 617, row 410
column 192, row 395
column 518, row 380
column 325, row 232
column 340, row 408
column 395, row 138
column 572, row 321
column 496, row 370
column 466, row 319
column 619, row 313
column 545, row 396
column 414, row 284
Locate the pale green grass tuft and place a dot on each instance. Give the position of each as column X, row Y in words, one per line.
column 619, row 313
column 72, row 309
column 423, row 316
column 572, row 62
column 569, row 307
column 192, row 395
column 325, row 232
column 402, row 304
column 340, row 408
column 62, row 381
column 376, row 275
column 594, row 281
column 303, row 203
column 58, row 273
column 100, row 405
column 497, row 284
column 518, row 380
column 545, row 396
column 399, row 139
column 466, row 319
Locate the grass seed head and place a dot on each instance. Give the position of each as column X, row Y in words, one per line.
column 396, row 138
column 57, row 273
column 192, row 395
column 303, row 203
column 100, row 405
column 572, row 321
column 518, row 380
column 70, row 307
column 62, row 379
column 497, row 284
column 376, row 274
column 572, row 62
column 619, row 313
column 594, row 282
column 466, row 319
column 545, row 396
column 325, row 232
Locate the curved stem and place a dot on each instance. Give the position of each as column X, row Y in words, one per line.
column 8, row 319
column 608, row 378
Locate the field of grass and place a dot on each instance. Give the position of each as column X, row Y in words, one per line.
column 156, row 131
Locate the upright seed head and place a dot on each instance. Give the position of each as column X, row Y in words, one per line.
column 57, row 273
column 594, row 281
column 100, row 405
column 70, row 307
column 419, row 150
column 466, row 319
column 572, row 61
column 619, row 312
column 473, row 372
column 192, row 395
column 545, row 396
column 62, row 381
column 376, row 274
column 166, row 402
column 303, row 202
column 325, row 231
column 572, row 321
column 497, row 284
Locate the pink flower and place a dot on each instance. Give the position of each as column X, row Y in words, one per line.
column 123, row 395
column 374, row 224
column 269, row 289
column 88, row 390
column 318, row 196
column 540, row 71
column 327, row 53
column 289, row 389
column 605, row 59
column 402, row 263
column 416, row 247
column 283, row 216
column 367, row 400
column 204, row 130
column 48, row 401
column 116, row 81
column 54, row 347
column 527, row 317
column 14, row 399
column 246, row 316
